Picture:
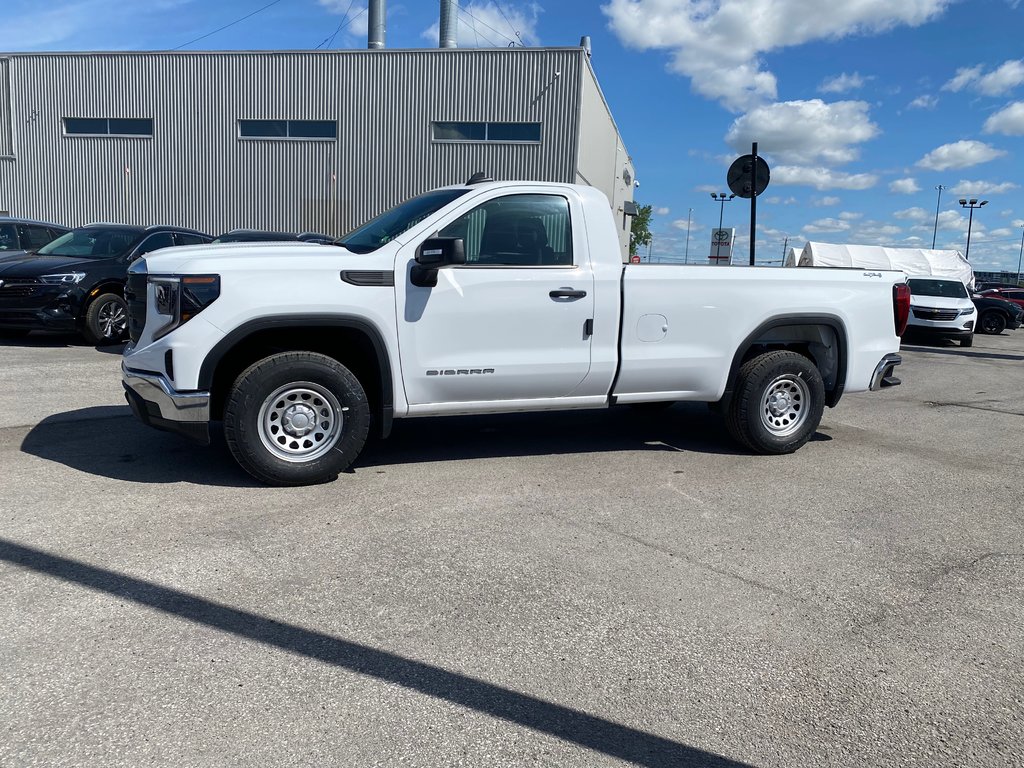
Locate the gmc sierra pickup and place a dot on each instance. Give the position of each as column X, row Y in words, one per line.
column 485, row 298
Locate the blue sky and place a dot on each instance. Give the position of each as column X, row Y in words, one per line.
column 861, row 107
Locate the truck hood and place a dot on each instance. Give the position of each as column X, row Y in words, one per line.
column 940, row 302
column 284, row 257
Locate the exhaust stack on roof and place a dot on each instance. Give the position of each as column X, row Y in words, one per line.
column 449, row 24
column 377, row 29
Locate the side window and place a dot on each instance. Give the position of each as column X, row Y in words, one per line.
column 8, row 238
column 184, row 239
column 154, row 242
column 516, row 231
column 33, row 237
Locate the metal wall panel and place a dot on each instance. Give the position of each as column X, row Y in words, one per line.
column 196, row 172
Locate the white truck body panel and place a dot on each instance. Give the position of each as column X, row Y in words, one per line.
column 517, row 336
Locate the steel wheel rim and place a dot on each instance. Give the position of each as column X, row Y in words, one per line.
column 785, row 406
column 300, row 422
column 113, row 319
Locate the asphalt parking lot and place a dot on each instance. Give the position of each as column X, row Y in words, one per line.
column 579, row 589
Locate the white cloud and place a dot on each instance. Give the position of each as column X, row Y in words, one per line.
column 804, row 132
column 662, row 211
column 904, row 186
column 683, row 223
column 850, row 216
column 1009, row 120
column 924, row 102
column 913, row 214
column 827, row 200
column 999, row 81
column 823, row 179
column 964, row 77
column 718, row 44
column 483, row 25
column 960, row 154
column 843, row 83
column 975, row 188
column 77, row 24
column 1002, row 232
column 827, row 225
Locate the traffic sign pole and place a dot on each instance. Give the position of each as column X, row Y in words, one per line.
column 753, row 204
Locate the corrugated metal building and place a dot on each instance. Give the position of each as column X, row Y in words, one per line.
column 293, row 140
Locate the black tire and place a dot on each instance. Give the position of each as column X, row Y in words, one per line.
column 777, row 404
column 106, row 320
column 268, row 413
column 967, row 341
column 992, row 322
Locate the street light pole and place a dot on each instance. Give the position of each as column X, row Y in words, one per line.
column 686, row 256
column 972, row 204
column 1021, row 253
column 937, row 199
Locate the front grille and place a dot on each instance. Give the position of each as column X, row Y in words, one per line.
column 19, row 288
column 940, row 315
column 135, row 295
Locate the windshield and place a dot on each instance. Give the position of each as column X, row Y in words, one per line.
column 950, row 289
column 390, row 225
column 254, row 237
column 92, row 243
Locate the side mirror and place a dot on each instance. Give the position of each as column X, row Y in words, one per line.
column 433, row 254
column 439, row 252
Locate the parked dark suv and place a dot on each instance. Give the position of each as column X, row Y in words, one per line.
column 76, row 282
column 26, row 234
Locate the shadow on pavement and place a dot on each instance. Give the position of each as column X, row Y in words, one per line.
column 683, row 427
column 109, row 442
column 957, row 351
column 589, row 731
column 43, row 339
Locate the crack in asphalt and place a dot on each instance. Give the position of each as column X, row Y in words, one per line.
column 936, row 404
column 887, row 611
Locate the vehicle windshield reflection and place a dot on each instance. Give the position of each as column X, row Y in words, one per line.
column 388, row 226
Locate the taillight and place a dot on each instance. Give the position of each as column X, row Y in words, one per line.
column 901, row 306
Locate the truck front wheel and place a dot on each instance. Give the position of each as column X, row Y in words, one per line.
column 778, row 403
column 296, row 418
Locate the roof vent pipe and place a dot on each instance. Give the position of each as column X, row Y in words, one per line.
column 377, row 28
column 585, row 44
column 449, row 24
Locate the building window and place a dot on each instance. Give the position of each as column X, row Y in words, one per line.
column 108, row 126
column 309, row 130
column 522, row 133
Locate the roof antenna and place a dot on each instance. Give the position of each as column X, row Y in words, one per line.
column 478, row 178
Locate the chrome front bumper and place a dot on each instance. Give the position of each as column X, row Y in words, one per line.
column 882, row 377
column 158, row 405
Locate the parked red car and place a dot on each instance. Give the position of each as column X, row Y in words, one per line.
column 1016, row 295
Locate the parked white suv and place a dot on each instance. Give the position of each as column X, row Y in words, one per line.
column 941, row 308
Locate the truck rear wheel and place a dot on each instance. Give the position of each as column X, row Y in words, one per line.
column 778, row 403
column 296, row 418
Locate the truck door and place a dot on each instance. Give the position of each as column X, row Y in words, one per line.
column 513, row 322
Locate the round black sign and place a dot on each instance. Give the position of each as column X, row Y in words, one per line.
column 747, row 178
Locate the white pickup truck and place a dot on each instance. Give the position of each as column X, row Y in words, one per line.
column 487, row 297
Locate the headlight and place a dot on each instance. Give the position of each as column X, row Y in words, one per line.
column 70, row 278
column 967, row 311
column 177, row 300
